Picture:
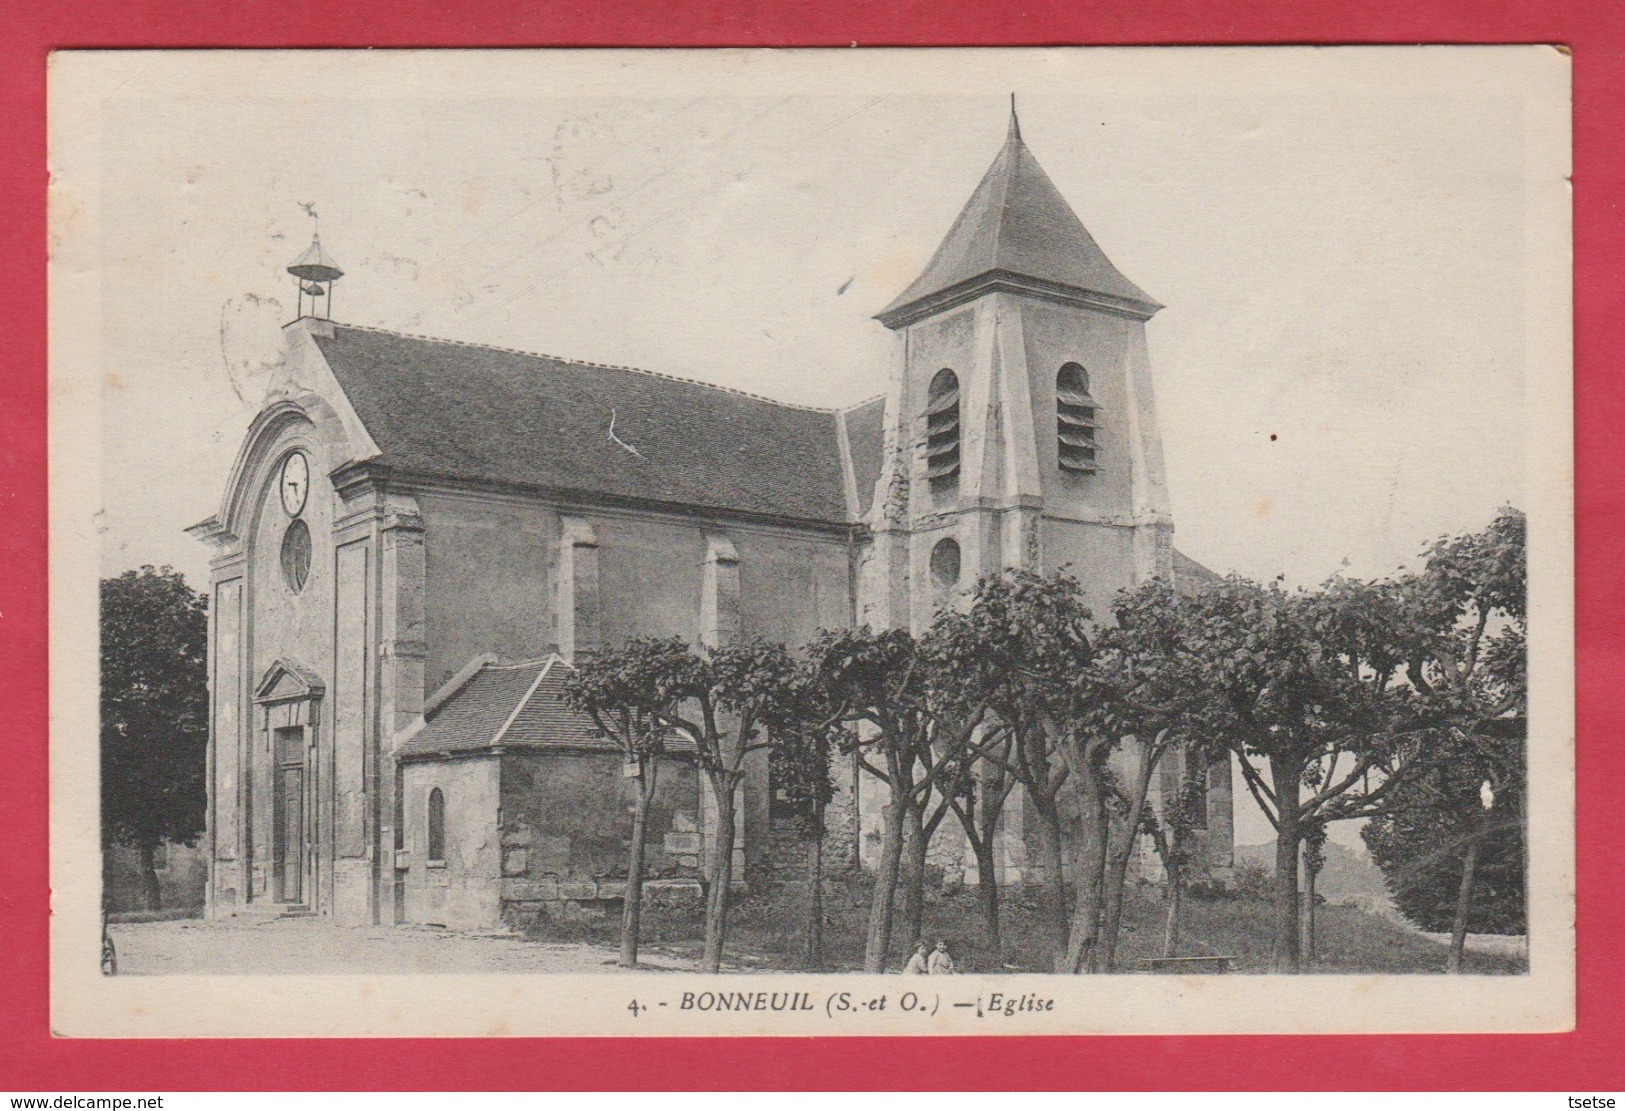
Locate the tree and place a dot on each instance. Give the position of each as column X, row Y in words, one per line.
column 1314, row 859
column 1171, row 832
column 736, row 693
column 1065, row 697
column 1341, row 694
column 629, row 694
column 1014, row 650
column 1304, row 687
column 806, row 734
column 1143, row 694
column 154, row 714
column 721, row 701
column 977, row 793
column 1471, row 667
column 907, row 729
column 1452, row 862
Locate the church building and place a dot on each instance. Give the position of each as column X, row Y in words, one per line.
column 419, row 536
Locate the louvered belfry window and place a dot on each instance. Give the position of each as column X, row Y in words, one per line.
column 1074, row 420
column 942, row 426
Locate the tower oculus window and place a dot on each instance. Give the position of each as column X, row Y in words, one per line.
column 942, row 426
column 1074, row 420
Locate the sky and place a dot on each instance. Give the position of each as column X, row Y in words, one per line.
column 1339, row 237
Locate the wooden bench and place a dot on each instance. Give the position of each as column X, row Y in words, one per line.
column 1186, row 966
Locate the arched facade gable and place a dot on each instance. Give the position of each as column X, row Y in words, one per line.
column 262, row 441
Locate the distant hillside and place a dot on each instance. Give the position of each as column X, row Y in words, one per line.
column 1348, row 877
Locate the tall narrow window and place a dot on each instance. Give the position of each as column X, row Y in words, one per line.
column 945, row 566
column 1199, row 773
column 1074, row 420
column 942, row 426
column 437, row 826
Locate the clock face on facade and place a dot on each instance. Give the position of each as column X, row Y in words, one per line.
column 295, row 483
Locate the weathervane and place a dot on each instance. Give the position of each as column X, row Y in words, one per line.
column 314, row 272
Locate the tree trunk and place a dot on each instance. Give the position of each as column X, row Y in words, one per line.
column 1049, row 825
column 1091, row 875
column 1307, row 945
column 1464, row 904
column 915, row 845
column 716, row 910
column 983, row 841
column 812, row 953
column 1117, row 869
column 1116, row 880
column 1287, row 779
column 632, row 906
column 987, row 889
column 151, row 894
column 857, row 814
column 1285, row 950
column 878, row 938
column 1170, row 927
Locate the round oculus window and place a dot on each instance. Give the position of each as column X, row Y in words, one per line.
column 296, row 555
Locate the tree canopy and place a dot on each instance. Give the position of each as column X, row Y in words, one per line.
column 154, row 712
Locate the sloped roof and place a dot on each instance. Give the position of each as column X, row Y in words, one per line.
column 1017, row 224
column 486, row 414
column 866, row 436
column 513, row 705
column 1190, row 576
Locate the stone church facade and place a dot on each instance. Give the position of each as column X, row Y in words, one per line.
column 419, row 536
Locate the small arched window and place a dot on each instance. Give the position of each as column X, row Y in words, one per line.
column 437, row 826
column 942, row 426
column 1074, row 420
column 945, row 566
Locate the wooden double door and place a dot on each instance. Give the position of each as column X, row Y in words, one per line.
column 289, row 855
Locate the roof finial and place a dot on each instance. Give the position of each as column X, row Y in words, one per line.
column 1015, row 124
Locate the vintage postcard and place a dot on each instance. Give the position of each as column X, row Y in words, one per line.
column 811, row 542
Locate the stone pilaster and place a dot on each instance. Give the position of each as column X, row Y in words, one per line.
column 401, row 659
column 719, row 594
column 578, row 614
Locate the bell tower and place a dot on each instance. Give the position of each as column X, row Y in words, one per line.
column 1021, row 429
column 314, row 274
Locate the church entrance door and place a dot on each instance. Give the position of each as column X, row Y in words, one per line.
column 288, row 848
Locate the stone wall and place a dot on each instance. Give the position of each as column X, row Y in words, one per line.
column 486, row 573
column 182, row 877
column 495, row 571
column 566, row 830
column 460, row 890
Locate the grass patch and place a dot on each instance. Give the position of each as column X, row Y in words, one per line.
column 764, row 931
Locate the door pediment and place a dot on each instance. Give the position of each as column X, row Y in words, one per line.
column 287, row 681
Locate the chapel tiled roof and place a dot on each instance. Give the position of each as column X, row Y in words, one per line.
column 517, row 705
column 1190, row 576
column 486, row 414
column 1016, row 224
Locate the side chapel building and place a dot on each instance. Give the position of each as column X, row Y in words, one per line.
column 418, row 536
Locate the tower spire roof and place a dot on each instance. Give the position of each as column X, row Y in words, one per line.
column 1017, row 231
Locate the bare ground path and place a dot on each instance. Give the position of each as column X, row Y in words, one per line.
column 316, row 946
